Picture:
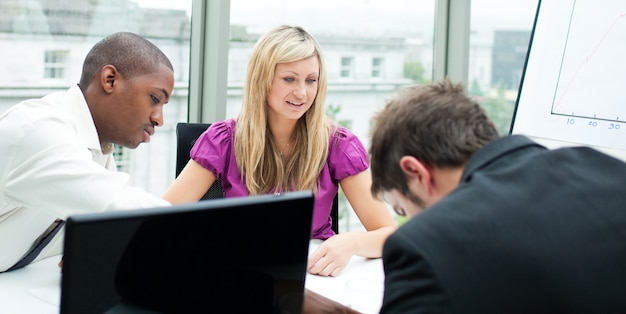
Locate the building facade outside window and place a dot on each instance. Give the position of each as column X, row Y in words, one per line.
column 122, row 158
column 55, row 64
column 346, row 67
column 377, row 67
column 498, row 46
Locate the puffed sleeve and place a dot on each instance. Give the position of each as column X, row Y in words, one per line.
column 346, row 154
column 213, row 147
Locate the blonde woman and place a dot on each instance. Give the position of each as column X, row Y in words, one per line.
column 282, row 140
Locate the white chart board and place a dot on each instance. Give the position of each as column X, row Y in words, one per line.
column 573, row 91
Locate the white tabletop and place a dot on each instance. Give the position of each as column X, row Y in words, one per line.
column 359, row 285
column 36, row 288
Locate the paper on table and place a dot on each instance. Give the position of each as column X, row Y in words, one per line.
column 50, row 294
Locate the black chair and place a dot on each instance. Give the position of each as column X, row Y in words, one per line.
column 186, row 136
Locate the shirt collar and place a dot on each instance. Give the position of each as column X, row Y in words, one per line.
column 77, row 109
column 494, row 150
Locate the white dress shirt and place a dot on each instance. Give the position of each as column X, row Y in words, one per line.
column 52, row 166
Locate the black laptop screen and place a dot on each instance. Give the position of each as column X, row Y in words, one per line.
column 243, row 254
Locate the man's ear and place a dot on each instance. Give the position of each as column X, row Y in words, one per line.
column 417, row 173
column 108, row 78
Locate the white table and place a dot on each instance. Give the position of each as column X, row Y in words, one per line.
column 36, row 288
column 359, row 285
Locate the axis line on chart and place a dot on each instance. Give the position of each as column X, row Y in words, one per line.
column 587, row 59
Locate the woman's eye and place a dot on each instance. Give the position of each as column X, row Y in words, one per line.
column 311, row 81
column 288, row 79
column 155, row 99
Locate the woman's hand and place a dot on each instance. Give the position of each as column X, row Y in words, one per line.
column 332, row 256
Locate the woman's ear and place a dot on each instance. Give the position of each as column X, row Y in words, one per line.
column 418, row 175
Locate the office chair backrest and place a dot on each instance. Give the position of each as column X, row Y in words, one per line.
column 186, row 136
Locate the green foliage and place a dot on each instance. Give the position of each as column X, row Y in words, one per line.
column 332, row 111
column 414, row 70
column 401, row 220
column 500, row 111
column 475, row 89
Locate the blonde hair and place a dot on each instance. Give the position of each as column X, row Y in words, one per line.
column 258, row 158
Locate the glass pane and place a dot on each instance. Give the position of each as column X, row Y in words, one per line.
column 50, row 38
column 371, row 48
column 500, row 33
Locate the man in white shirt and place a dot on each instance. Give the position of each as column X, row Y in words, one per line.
column 56, row 155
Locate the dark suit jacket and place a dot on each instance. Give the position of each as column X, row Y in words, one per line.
column 528, row 230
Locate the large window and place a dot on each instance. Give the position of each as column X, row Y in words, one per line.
column 372, row 48
column 499, row 36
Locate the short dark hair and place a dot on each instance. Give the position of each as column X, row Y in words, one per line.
column 131, row 55
column 438, row 124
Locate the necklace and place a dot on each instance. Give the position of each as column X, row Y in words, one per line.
column 284, row 149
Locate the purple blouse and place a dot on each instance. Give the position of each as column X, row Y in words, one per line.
column 215, row 151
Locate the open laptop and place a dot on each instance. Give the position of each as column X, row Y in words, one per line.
column 244, row 255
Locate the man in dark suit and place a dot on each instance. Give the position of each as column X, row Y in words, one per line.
column 498, row 225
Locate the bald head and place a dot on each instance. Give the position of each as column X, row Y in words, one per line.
column 130, row 54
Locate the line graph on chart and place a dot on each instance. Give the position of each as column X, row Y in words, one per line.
column 573, row 91
column 592, row 76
